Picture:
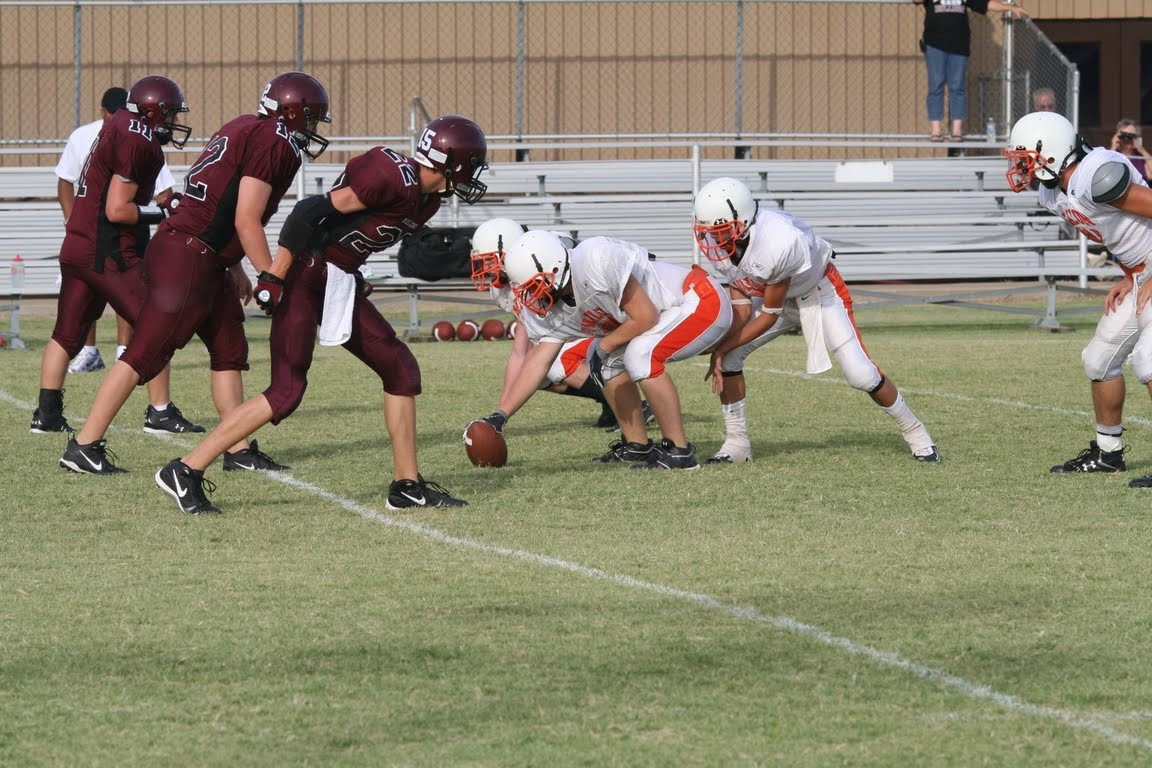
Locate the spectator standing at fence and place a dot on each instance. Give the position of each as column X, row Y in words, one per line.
column 1128, row 142
column 314, row 291
column 1099, row 192
column 68, row 171
column 107, row 230
column 947, row 43
column 781, row 278
column 1044, row 100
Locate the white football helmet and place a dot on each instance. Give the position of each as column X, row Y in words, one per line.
column 490, row 242
column 724, row 210
column 1041, row 145
column 538, row 268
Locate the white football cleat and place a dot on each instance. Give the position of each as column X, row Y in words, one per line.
column 733, row 451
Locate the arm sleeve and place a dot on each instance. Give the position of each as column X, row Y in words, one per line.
column 1111, row 181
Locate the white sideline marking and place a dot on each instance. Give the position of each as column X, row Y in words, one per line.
column 1079, row 720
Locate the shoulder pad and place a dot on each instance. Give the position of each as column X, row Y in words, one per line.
column 1111, row 181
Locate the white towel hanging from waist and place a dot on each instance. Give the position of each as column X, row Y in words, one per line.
column 812, row 326
column 339, row 304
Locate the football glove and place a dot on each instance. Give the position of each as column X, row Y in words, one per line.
column 596, row 358
column 497, row 420
column 170, row 204
column 269, row 289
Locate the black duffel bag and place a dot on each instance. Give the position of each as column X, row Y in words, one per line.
column 436, row 253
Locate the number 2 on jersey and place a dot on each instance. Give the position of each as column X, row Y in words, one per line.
column 212, row 153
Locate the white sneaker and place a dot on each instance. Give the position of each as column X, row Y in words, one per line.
column 86, row 362
column 733, row 451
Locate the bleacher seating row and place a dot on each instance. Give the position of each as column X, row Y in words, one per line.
column 915, row 219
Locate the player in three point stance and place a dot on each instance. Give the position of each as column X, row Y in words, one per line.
column 1100, row 193
column 315, row 281
column 192, row 266
column 100, row 259
column 641, row 314
column 781, row 277
column 569, row 373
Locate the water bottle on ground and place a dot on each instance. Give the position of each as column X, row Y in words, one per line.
column 17, row 275
column 991, row 130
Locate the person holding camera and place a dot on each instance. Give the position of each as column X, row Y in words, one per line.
column 1127, row 142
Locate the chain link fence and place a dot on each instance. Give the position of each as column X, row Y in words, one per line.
column 536, row 69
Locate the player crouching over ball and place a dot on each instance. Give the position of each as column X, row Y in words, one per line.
column 641, row 314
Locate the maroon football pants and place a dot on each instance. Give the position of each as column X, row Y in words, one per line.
column 189, row 294
column 294, row 328
column 85, row 292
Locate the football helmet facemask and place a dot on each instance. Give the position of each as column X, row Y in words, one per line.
column 724, row 209
column 456, row 147
column 158, row 102
column 538, row 268
column 300, row 102
column 489, row 244
column 1040, row 146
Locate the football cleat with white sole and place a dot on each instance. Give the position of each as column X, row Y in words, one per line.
column 733, row 451
column 1092, row 459
column 412, row 494
column 91, row 459
column 170, row 421
column 86, row 362
column 251, row 459
column 187, row 488
column 666, row 455
column 930, row 456
column 622, row 451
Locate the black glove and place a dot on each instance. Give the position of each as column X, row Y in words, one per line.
column 498, row 419
column 170, row 204
column 596, row 358
column 269, row 289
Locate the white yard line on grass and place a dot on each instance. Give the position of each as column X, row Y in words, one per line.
column 1075, row 719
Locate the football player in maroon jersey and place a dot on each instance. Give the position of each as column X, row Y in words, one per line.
column 192, row 270
column 107, row 231
column 315, row 281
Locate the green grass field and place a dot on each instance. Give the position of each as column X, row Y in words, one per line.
column 833, row 603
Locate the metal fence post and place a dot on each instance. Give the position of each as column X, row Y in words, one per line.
column 695, row 189
column 739, row 106
column 1009, row 35
column 77, row 42
column 521, row 33
column 300, row 35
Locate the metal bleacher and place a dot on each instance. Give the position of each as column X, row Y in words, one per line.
column 946, row 218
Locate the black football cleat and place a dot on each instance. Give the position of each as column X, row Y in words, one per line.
column 171, row 421
column 1092, row 459
column 411, row 494
column 252, row 459
column 621, row 451
column 667, row 456
column 91, row 459
column 931, row 456
column 187, row 488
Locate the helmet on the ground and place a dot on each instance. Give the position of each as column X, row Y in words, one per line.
column 724, row 209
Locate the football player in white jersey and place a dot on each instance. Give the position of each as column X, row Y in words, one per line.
column 1099, row 192
column 781, row 277
column 569, row 373
column 641, row 314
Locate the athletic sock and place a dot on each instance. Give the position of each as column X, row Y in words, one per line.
column 735, row 420
column 1109, row 438
column 120, row 350
column 89, row 350
column 161, row 408
column 913, row 430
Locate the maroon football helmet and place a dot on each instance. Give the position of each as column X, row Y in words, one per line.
column 455, row 146
column 158, row 101
column 300, row 102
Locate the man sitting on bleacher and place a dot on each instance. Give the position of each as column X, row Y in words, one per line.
column 1099, row 192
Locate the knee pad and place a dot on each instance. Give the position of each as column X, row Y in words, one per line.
column 1103, row 360
column 284, row 397
column 865, row 378
column 397, row 368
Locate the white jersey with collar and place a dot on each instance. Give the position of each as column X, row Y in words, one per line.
column 780, row 247
column 1127, row 236
column 601, row 267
